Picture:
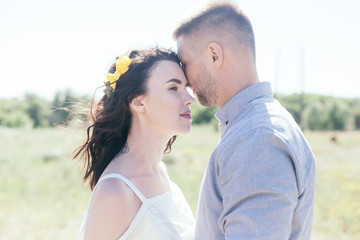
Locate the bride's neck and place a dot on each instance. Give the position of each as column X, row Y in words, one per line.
column 146, row 148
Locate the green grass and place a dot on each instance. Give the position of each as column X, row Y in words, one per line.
column 337, row 206
column 42, row 196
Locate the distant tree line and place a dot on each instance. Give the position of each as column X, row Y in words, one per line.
column 311, row 112
column 35, row 112
column 317, row 112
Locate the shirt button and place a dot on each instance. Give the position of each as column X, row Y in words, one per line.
column 226, row 123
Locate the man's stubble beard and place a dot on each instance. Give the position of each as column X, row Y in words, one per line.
column 206, row 90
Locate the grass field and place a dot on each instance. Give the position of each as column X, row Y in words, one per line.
column 42, row 197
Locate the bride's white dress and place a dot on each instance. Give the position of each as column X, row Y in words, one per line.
column 166, row 216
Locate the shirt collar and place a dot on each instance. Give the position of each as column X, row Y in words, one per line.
column 242, row 98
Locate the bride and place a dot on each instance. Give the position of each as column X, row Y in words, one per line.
column 145, row 105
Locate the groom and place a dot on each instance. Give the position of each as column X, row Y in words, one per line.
column 260, row 180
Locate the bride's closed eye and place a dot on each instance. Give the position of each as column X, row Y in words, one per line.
column 173, row 88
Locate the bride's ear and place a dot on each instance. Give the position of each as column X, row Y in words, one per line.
column 137, row 104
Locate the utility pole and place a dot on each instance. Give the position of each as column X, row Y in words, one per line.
column 277, row 70
column 302, row 87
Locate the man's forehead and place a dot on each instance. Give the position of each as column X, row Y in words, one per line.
column 180, row 53
column 181, row 47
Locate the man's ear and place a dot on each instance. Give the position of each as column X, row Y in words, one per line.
column 216, row 54
column 137, row 104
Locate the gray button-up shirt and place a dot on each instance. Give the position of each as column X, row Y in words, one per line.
column 260, row 180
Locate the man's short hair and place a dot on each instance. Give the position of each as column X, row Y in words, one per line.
column 222, row 19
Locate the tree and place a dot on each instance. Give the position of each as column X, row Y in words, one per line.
column 202, row 114
column 338, row 116
column 317, row 117
column 64, row 107
column 37, row 109
column 355, row 109
column 292, row 104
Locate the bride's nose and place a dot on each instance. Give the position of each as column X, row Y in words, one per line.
column 188, row 99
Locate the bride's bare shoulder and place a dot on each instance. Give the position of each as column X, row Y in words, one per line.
column 112, row 209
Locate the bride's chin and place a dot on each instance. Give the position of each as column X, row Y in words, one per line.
column 184, row 129
column 187, row 130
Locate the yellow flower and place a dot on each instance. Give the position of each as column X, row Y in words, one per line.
column 122, row 65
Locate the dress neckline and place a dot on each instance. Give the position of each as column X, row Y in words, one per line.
column 134, row 188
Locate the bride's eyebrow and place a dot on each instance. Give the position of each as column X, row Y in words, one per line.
column 175, row 81
column 187, row 84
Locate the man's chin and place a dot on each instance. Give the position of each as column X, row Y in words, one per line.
column 205, row 102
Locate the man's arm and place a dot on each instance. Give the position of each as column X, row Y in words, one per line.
column 259, row 187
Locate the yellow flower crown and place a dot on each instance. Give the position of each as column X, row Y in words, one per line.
column 122, row 66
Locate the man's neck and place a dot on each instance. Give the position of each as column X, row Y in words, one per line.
column 233, row 85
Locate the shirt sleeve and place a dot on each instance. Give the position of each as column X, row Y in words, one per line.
column 258, row 185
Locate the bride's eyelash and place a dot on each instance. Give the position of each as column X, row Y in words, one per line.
column 174, row 88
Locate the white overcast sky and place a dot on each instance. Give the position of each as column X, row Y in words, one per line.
column 48, row 45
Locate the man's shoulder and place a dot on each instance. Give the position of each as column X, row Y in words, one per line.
column 242, row 141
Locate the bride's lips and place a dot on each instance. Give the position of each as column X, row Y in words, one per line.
column 186, row 115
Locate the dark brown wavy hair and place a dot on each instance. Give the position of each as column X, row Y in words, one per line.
column 110, row 119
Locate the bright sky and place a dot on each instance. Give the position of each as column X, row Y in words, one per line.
column 47, row 46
